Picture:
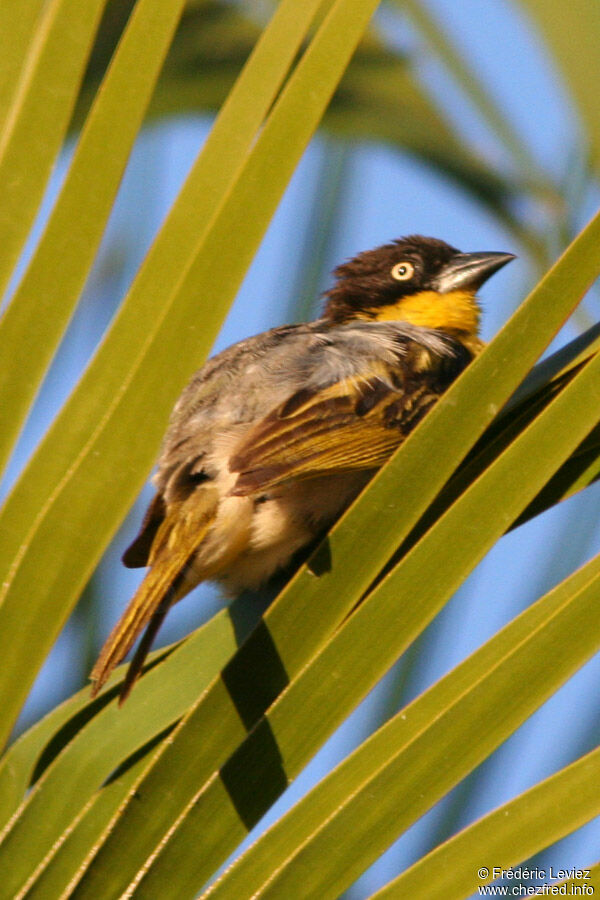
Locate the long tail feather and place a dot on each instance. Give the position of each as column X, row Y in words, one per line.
column 155, row 588
column 167, row 581
column 137, row 663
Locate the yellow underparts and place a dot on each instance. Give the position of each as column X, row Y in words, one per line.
column 456, row 312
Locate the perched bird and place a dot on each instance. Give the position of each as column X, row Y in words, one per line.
column 275, row 436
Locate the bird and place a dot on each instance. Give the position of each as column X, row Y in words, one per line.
column 274, row 437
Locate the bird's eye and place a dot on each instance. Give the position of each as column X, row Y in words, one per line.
column 402, row 271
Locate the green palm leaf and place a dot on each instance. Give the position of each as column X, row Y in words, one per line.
column 97, row 800
column 332, row 835
column 39, row 312
column 38, row 113
column 509, row 835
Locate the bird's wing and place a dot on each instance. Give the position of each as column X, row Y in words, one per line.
column 354, row 423
column 210, row 403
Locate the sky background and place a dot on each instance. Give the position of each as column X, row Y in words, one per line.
column 384, row 194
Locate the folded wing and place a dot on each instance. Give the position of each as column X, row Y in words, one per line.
column 354, row 423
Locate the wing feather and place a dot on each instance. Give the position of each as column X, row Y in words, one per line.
column 354, row 423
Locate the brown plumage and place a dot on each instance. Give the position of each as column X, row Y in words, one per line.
column 274, row 437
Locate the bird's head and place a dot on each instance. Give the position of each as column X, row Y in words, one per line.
column 416, row 279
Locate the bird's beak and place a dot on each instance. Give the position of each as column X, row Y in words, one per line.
column 469, row 270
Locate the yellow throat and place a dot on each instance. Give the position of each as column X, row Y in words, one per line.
column 456, row 312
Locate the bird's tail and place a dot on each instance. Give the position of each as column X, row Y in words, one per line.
column 170, row 578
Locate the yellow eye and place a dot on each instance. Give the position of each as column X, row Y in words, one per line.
column 403, row 271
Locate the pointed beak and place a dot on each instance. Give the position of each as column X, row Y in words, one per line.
column 469, row 270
